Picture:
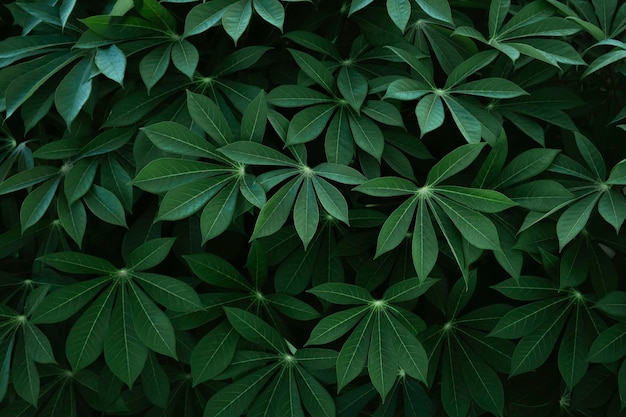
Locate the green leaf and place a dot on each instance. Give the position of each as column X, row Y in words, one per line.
column 482, row 383
column 604, row 10
column 271, row 11
column 383, row 112
column 78, row 263
column 216, row 271
column 24, row 375
column 154, row 64
column 234, row 398
column 185, row 57
column 340, row 173
column 74, row 91
column 475, row 228
column 612, row 208
column 353, row 86
column 111, row 62
column 610, row 345
column 153, row 327
column 439, row 9
column 455, row 395
column 38, row 347
column 409, row 289
column 367, row 135
column 424, row 244
column 275, row 212
column 204, row 16
column 486, row 201
column 79, row 179
column 314, row 69
column 208, row 116
column 454, row 162
column 236, row 18
column 287, row 95
column 497, row 13
column 412, row 357
column 187, row 199
column 254, row 119
column 165, row 174
column 37, row 202
column 114, row 177
column 124, row 352
column 540, row 195
column 382, row 363
column 467, row 123
column 85, row 341
column 526, row 165
column 105, row 205
column 407, row 89
column 27, row 178
column 149, row 254
column 65, row 302
column 429, row 112
column 175, row 138
column 314, row 396
column 399, row 11
column 353, row 355
column 108, row 141
column 336, row 325
column 491, row 88
column 309, row 123
column 306, row 213
column 617, row 175
column 23, row 87
column 219, row 212
column 613, row 303
column 574, row 219
column 331, row 199
column 387, row 187
column 591, row 155
column 527, row 288
column 535, row 348
column 525, row 319
column 213, row 353
column 256, row 154
column 292, row 307
column 172, row 293
column 340, row 293
column 255, row 330
column 574, row 350
column 73, row 218
column 396, row 226
column 241, row 59
column 155, row 381
column 155, row 12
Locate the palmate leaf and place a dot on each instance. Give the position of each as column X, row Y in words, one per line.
column 275, row 212
column 170, row 292
column 412, row 357
column 336, row 325
column 340, row 293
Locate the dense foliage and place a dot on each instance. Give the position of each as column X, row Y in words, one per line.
column 312, row 208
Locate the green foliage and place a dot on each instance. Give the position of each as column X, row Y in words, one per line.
column 312, row 208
